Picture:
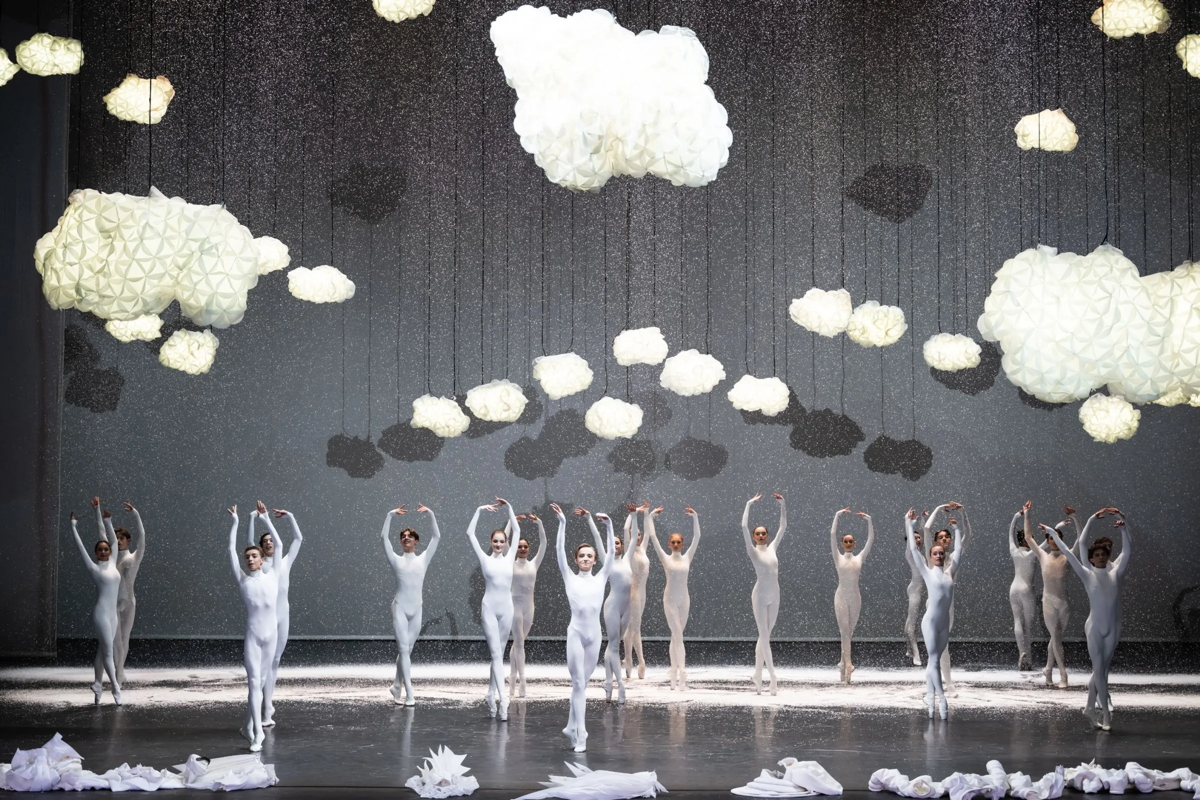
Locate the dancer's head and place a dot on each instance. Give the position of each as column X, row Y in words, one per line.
column 499, row 541
column 675, row 542
column 943, row 538
column 266, row 543
column 123, row 538
column 848, row 543
column 1100, row 551
column 409, row 539
column 917, row 539
column 618, row 546
column 760, row 535
column 937, row 556
column 254, row 557
column 522, row 548
column 585, row 557
column 103, row 550
column 1021, row 541
column 1050, row 540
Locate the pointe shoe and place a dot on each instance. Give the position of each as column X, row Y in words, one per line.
column 607, row 692
column 928, row 701
column 758, row 682
column 847, row 672
column 943, row 708
column 1024, row 664
column 397, row 695
column 580, row 743
column 621, row 695
column 521, row 693
column 269, row 721
column 246, row 734
column 256, row 746
column 116, row 693
column 1106, row 720
column 774, row 686
column 641, row 672
column 916, row 659
column 409, row 702
column 504, row 709
column 1093, row 716
column 97, row 690
column 1048, row 673
column 491, row 704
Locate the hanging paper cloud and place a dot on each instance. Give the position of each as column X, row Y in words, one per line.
column 323, row 284
column 43, row 54
column 951, row 352
column 143, row 100
column 1107, row 419
column 7, row 68
column 189, row 351
column 442, row 415
column 1047, row 130
column 640, row 346
column 443, row 773
column 691, row 372
column 272, row 254
column 497, row 401
column 767, row 395
column 562, row 375
column 1177, row 397
column 610, row 418
column 823, row 312
column 1121, row 18
column 1178, row 293
column 873, row 325
column 143, row 329
column 594, row 100
column 400, row 10
column 1188, row 50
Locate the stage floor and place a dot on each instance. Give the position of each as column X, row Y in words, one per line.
column 339, row 730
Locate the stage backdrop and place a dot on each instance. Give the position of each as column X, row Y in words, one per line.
column 873, row 149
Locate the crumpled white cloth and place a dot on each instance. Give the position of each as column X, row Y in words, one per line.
column 798, row 779
column 601, row 784
column 1026, row 788
column 964, row 786
column 1089, row 778
column 1092, row 778
column 896, row 782
column 227, row 773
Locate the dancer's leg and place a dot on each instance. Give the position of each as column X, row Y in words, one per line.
column 516, row 655
column 282, row 627
column 915, row 595
column 616, row 622
column 935, row 643
column 106, row 634
column 252, row 659
column 676, row 627
column 685, row 608
column 853, row 611
column 1095, row 645
column 1108, row 646
column 125, row 614
column 635, row 637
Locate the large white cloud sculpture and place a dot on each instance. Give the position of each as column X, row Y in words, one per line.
column 640, row 346
column 826, row 313
column 189, row 351
column 610, row 418
column 1187, row 48
column 1107, row 419
column 122, row 256
column 43, row 54
column 767, row 395
column 951, row 352
column 691, row 372
column 143, row 329
column 143, row 100
column 323, row 284
column 1178, row 293
column 594, row 100
column 1049, row 130
column 7, row 67
column 1121, row 18
column 562, row 375
column 272, row 255
column 873, row 325
column 497, row 401
column 400, row 10
column 442, row 415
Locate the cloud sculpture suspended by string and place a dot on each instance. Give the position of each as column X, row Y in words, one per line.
column 192, row 352
column 977, row 379
column 951, row 352
column 1178, row 293
column 43, row 54
column 7, row 67
column 1187, row 48
column 1121, row 18
column 594, row 100
column 1107, row 419
column 272, row 255
column 141, row 329
column 400, row 10
column 874, row 325
column 442, row 415
column 769, row 396
column 1049, row 130
column 640, row 346
column 323, row 284
column 497, row 401
column 1177, row 397
column 562, row 375
column 826, row 313
column 691, row 372
column 610, row 418
column 142, row 100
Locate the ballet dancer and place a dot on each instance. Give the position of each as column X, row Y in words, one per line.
column 1056, row 608
column 525, row 570
column 104, row 614
column 1020, row 592
column 764, row 597
column 1102, row 579
column 847, row 600
column 409, row 568
column 616, row 606
column 916, row 593
column 952, row 544
column 677, row 603
column 283, row 609
column 496, row 613
column 128, row 563
column 585, row 592
column 938, row 575
column 260, row 594
column 640, row 566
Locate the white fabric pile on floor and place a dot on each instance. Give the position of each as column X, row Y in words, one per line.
column 1089, row 778
column 601, row 784
column 443, row 775
column 56, row 765
column 798, row 779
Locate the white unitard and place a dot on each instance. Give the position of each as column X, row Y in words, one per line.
column 916, row 594
column 496, row 613
column 283, row 609
column 677, row 603
column 260, row 593
column 847, row 600
column 104, row 614
column 409, row 569
column 585, row 592
column 524, row 581
column 616, row 607
column 935, row 625
column 1056, row 608
column 1020, row 592
column 128, row 563
column 764, row 597
column 640, row 567
column 960, row 542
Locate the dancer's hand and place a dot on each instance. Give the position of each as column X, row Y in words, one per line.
column 644, row 507
column 95, row 502
column 657, row 511
column 953, row 505
column 106, row 514
column 779, row 497
column 281, row 512
column 863, row 514
column 233, row 510
column 925, row 513
column 691, row 512
column 520, row 516
column 756, row 498
column 262, row 509
column 580, row 511
column 953, row 521
column 1119, row 523
column 489, row 508
column 1100, row 514
column 500, row 501
column 1044, row 527
column 600, row 515
column 845, row 510
column 129, row 507
column 630, row 507
column 1069, row 510
column 558, row 510
column 532, row 516
column 73, row 517
column 912, row 514
column 1028, row 505
column 396, row 512
column 1115, row 511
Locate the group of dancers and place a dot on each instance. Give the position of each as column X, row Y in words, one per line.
column 510, row 574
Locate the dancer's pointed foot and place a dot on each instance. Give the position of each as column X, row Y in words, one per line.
column 256, row 746
column 491, row 704
column 268, row 723
column 916, row 659
column 1023, row 663
column 641, row 672
column 1093, row 715
column 1062, row 684
column 621, row 695
column 847, row 672
column 1106, row 720
column 928, row 700
column 409, row 702
column 397, row 695
column 116, row 693
column 504, row 709
column 246, row 734
column 774, row 685
column 269, row 717
column 758, row 681
column 608, row 691
column 97, row 690
column 1048, row 674
column 521, row 693
column 943, row 707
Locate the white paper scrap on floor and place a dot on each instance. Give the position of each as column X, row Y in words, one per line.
column 1089, row 778
column 601, row 784
column 798, row 779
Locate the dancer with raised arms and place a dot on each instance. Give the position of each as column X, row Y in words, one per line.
column 953, row 541
column 283, row 609
column 938, row 575
column 640, row 568
column 847, row 600
column 1056, row 606
column 1020, row 591
column 525, row 570
column 916, row 594
column 107, row 578
column 496, row 612
column 129, row 561
column 616, row 606
column 764, row 597
column 677, row 603
column 409, row 568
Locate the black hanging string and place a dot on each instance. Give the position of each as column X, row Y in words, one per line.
column 429, row 269
column 542, row 265
column 1117, row 148
column 1104, row 118
column 1142, row 133
column 454, row 250
column 150, row 93
column 571, row 269
column 628, row 272
column 1037, row 104
column 483, row 243
column 774, row 315
column 604, row 300
column 812, row 198
column 1191, row 115
column 224, row 73
column 937, row 134
column 370, row 304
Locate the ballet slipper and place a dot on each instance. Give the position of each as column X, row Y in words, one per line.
column 396, row 695
column 928, row 701
column 246, row 734
column 116, row 693
column 255, row 747
column 97, row 690
column 1106, row 720
column 491, row 704
column 943, row 707
column 621, row 695
column 758, row 681
column 641, row 672
column 269, row 721
column 521, row 693
column 504, row 709
column 847, row 672
column 580, row 743
column 774, row 685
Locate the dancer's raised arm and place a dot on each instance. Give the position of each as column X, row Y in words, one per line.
column 749, row 537
column 691, row 512
column 927, row 539
column 560, row 544
column 297, row 537
column 511, row 554
column 102, row 530
column 862, row 556
column 782, row 522
column 541, row 553
column 277, row 552
column 83, row 551
column 652, row 534
column 385, row 534
column 436, row 537
column 471, row 531
column 918, row 559
column 1023, row 514
column 611, row 541
column 140, row 543
column 601, row 553
column 1121, row 562
column 833, row 533
column 234, row 561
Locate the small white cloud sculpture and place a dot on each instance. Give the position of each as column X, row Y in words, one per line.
column 691, row 372
column 7, row 67
column 1049, row 130
column 497, row 401
column 768, row 395
column 1107, row 419
column 323, row 284
column 143, row 100
column 1177, row 397
column 43, row 54
column 610, row 418
column 951, row 352
column 594, row 100
column 400, row 10
column 601, row 784
column 442, row 415
column 272, row 254
column 640, row 346
column 826, row 313
column 142, row 329
column 189, row 351
column 873, row 325
column 443, row 773
column 1187, row 48
column 1121, row 18
column 562, row 375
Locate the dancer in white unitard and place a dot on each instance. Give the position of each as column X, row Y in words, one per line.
column 954, row 542
column 616, row 606
column 640, row 567
column 1020, row 591
column 847, row 600
column 409, row 568
column 283, row 609
column 1102, row 579
column 260, row 594
column 935, row 625
column 677, row 603
column 916, row 594
column 585, row 592
column 1056, row 608
column 104, row 614
column 764, row 597
column 525, row 570
column 128, row 563
column 496, row 613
